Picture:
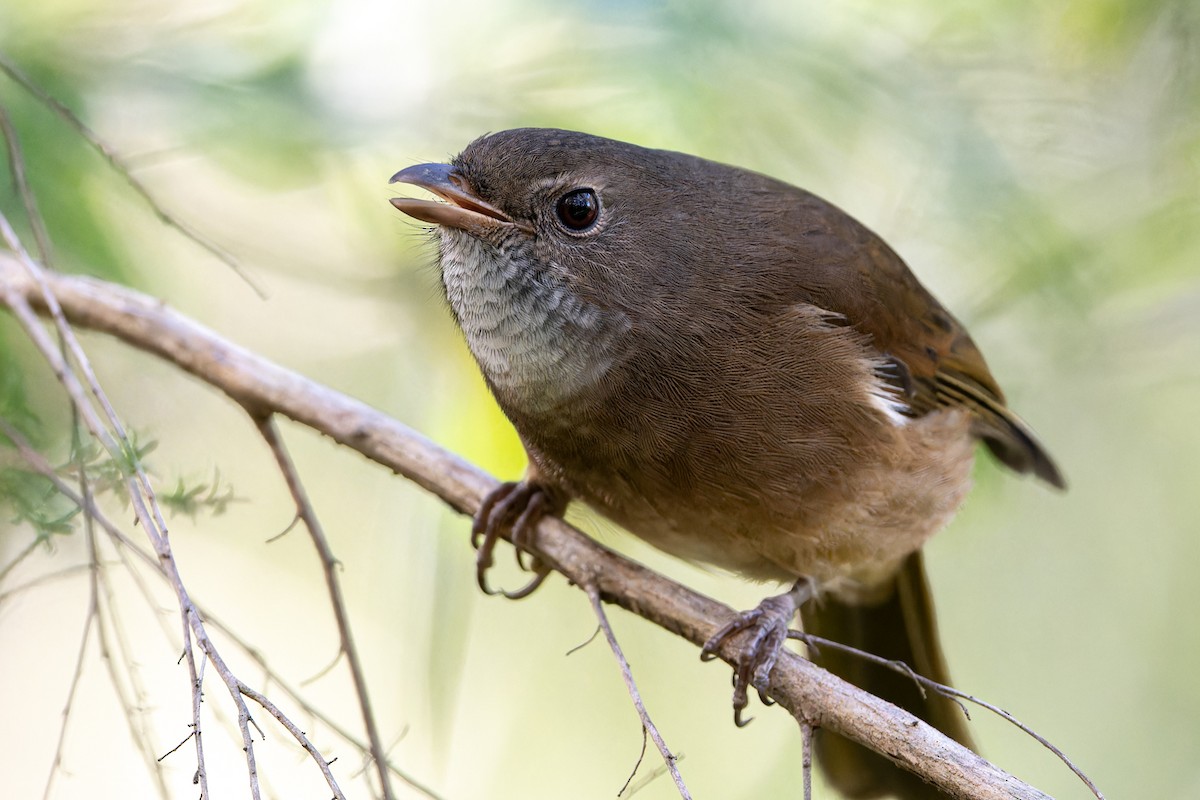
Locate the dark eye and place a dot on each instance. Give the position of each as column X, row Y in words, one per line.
column 578, row 209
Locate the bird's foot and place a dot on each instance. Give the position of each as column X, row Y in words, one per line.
column 768, row 628
column 520, row 507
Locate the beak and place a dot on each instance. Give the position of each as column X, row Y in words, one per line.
column 463, row 211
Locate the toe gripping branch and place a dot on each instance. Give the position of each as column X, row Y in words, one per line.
column 519, row 507
column 767, row 628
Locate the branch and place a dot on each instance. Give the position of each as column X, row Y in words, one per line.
column 950, row 692
column 105, row 426
column 118, row 165
column 263, row 388
column 306, row 512
column 34, row 460
column 648, row 726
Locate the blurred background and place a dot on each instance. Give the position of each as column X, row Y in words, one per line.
column 1037, row 164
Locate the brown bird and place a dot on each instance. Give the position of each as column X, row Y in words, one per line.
column 734, row 370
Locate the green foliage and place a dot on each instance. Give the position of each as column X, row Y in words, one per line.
column 210, row 497
column 107, row 472
column 60, row 167
column 14, row 398
column 34, row 499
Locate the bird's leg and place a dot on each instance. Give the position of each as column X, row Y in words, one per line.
column 768, row 630
column 521, row 506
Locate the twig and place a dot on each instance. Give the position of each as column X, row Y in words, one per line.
column 196, row 676
column 650, row 777
column 806, row 758
column 140, row 491
column 100, row 580
column 16, row 164
column 62, row 369
column 42, row 580
column 584, row 643
column 117, row 443
column 266, row 427
column 129, row 708
column 43, row 467
column 136, row 722
column 637, row 764
column 298, row 735
column 125, row 171
column 184, row 741
column 27, row 551
column 321, row 717
column 647, row 724
column 323, row 671
column 88, row 622
column 953, row 694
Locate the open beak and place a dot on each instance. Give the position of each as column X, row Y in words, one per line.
column 463, row 210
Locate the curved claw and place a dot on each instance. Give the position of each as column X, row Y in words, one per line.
column 741, row 679
column 531, row 587
column 523, row 530
column 767, row 630
column 519, row 554
column 527, row 503
column 487, row 524
column 486, row 519
column 483, row 562
column 481, row 580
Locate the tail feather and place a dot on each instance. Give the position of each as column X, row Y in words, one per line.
column 901, row 627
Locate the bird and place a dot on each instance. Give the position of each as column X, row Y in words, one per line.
column 739, row 373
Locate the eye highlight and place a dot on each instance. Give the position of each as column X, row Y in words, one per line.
column 578, row 209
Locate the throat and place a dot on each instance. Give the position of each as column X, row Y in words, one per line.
column 535, row 339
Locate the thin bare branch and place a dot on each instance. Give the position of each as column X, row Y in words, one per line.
column 314, row 712
column 182, row 742
column 266, row 427
column 115, row 161
column 196, row 674
column 648, row 725
column 89, row 621
column 26, row 552
column 323, row 671
column 16, row 164
column 140, row 491
column 40, row 465
column 134, row 720
column 42, row 580
column 953, row 694
column 584, row 643
column 20, row 306
column 624, row 791
column 298, row 735
column 806, row 759
column 650, row 777
column 113, row 436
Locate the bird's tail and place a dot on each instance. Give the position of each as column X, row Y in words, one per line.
column 901, row 627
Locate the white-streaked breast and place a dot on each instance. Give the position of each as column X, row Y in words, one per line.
column 534, row 338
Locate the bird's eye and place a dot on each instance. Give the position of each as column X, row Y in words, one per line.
column 578, row 209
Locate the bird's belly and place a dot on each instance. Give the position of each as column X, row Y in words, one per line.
column 847, row 533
